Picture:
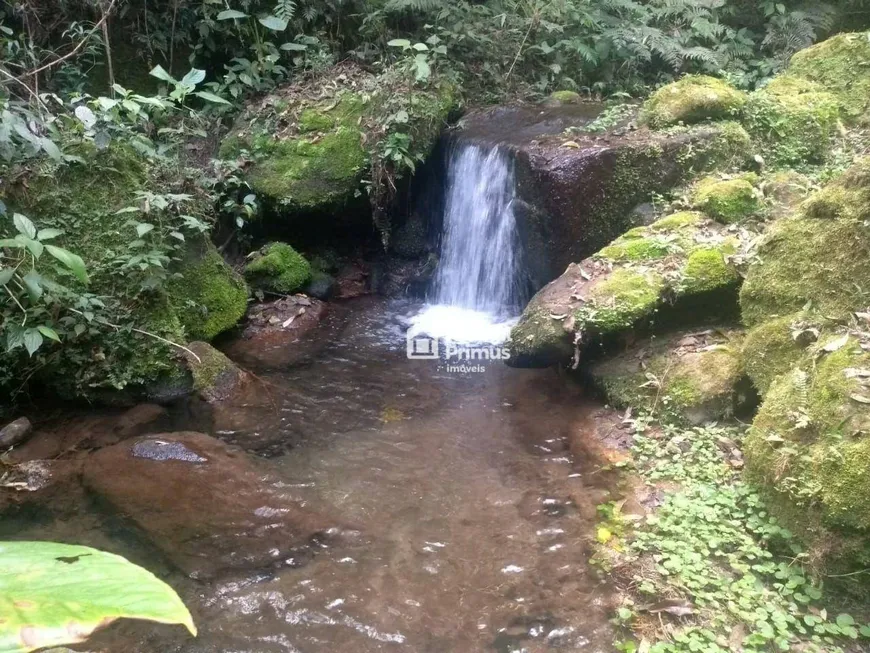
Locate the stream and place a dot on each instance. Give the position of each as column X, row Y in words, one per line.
column 463, row 489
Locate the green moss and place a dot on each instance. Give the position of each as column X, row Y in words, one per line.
column 312, row 120
column 635, row 249
column 692, row 99
column 677, row 221
column 825, row 263
column 808, row 444
column 565, row 97
column 683, row 387
column 726, row 201
column 539, row 339
column 279, row 268
column 793, row 121
column 707, row 270
column 621, row 300
column 210, row 298
column 846, row 198
column 209, row 369
column 841, row 65
column 771, row 350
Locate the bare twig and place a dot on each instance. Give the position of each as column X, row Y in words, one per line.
column 108, row 44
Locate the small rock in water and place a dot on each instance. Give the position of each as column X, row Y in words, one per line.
column 15, row 433
column 162, row 450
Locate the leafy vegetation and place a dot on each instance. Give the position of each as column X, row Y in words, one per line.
column 55, row 594
column 709, row 569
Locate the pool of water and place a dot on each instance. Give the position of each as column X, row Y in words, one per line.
column 474, row 514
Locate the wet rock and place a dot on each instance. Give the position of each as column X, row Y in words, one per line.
column 410, row 238
column 15, row 433
column 204, row 504
column 322, row 286
column 688, row 378
column 215, row 377
column 679, row 270
column 280, row 333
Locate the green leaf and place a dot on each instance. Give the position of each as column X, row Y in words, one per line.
column 50, row 148
column 227, row 14
column 211, row 97
column 295, row 47
column 33, row 284
column 55, row 594
column 73, row 261
column 845, row 620
column 160, row 73
column 48, row 234
column 143, row 228
column 24, row 225
column 193, row 77
column 421, row 47
column 399, row 43
column 273, row 23
column 32, row 342
column 35, row 247
column 49, row 333
column 6, row 275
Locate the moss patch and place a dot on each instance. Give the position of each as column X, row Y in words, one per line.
column 622, row 299
column 681, row 378
column 728, row 200
column 707, row 270
column 634, row 249
column 210, row 298
column 792, row 120
column 841, row 65
column 279, row 268
column 847, row 198
column 564, row 97
column 772, row 349
column 825, row 263
column 692, row 99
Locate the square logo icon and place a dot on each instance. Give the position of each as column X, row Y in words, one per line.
column 422, row 347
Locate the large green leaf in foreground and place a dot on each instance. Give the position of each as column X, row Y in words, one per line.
column 53, row 594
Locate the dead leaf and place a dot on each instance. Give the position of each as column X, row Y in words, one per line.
column 860, row 399
column 676, row 607
column 572, row 144
column 836, row 345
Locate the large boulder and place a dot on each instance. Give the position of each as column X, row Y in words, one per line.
column 727, row 200
column 98, row 201
column 680, row 269
column 692, row 99
column 840, row 65
column 278, row 268
column 685, row 377
column 205, row 505
column 577, row 191
column 793, row 121
column 308, row 144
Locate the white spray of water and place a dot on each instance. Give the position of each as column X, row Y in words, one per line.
column 476, row 291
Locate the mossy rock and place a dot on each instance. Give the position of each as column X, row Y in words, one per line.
column 83, row 200
column 310, row 148
column 684, row 378
column 823, row 263
column 692, row 99
column 809, row 450
column 772, row 349
column 726, row 200
column 846, row 198
column 215, row 377
column 792, row 120
column 278, row 268
column 841, row 65
column 561, row 98
column 678, row 261
column 210, row 297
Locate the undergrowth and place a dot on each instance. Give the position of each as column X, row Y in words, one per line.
column 709, row 569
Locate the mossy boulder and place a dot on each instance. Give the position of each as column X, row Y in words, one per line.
column 91, row 201
column 792, row 120
column 692, row 99
column 772, row 348
column 841, row 65
column 684, row 377
column 809, row 448
column 561, row 98
column 210, row 297
column 818, row 259
column 678, row 269
column 726, row 200
column 278, row 268
column 308, row 144
column 215, row 377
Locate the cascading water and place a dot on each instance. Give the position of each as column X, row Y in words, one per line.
column 477, row 291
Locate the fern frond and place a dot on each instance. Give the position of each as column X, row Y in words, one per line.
column 285, row 9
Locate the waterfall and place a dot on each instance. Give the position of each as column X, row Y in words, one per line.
column 477, row 292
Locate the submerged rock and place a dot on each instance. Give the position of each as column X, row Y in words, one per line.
column 686, row 377
column 679, row 269
column 279, row 334
column 692, row 99
column 15, row 433
column 204, row 504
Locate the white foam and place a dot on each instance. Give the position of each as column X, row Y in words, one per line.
column 461, row 325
